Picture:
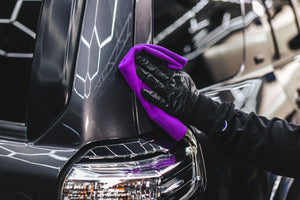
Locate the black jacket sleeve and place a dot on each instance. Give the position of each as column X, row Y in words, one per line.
column 271, row 144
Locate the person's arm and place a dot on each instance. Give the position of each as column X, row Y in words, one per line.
column 271, row 144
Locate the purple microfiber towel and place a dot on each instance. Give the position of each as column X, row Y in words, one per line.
column 170, row 124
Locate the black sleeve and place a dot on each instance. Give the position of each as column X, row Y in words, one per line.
column 271, row 144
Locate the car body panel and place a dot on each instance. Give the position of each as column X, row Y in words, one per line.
column 66, row 112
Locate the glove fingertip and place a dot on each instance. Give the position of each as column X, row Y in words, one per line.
column 145, row 93
column 153, row 98
column 141, row 60
column 149, row 96
column 139, row 72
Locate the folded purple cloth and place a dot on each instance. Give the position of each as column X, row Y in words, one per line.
column 170, row 124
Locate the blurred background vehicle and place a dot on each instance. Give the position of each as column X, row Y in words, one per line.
column 247, row 53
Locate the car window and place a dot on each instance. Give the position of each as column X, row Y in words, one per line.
column 260, row 44
column 283, row 21
column 271, row 33
column 208, row 33
column 18, row 25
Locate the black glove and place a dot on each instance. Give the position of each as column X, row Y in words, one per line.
column 173, row 90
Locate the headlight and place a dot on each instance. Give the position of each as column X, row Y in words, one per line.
column 137, row 170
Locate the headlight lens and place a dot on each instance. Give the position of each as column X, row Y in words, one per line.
column 163, row 175
column 118, row 180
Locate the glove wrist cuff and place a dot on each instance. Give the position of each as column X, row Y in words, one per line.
column 204, row 114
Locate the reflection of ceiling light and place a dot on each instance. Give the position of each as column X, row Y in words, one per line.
column 297, row 58
column 258, row 8
column 235, row 1
column 180, row 21
column 269, row 3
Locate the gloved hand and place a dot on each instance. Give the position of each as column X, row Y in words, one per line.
column 173, row 90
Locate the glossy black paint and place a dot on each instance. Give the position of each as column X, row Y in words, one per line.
column 29, row 171
column 101, row 105
column 64, row 112
column 53, row 63
column 18, row 26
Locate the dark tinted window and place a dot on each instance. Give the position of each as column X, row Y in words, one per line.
column 272, row 32
column 18, row 25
